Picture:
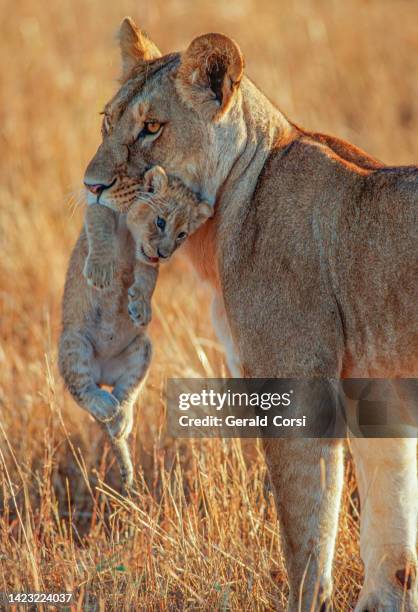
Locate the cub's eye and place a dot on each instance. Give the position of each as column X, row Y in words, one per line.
column 160, row 223
column 150, row 129
column 182, row 236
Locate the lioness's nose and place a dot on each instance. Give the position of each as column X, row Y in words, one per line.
column 97, row 188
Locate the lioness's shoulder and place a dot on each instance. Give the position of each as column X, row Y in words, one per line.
column 396, row 187
column 347, row 151
column 306, row 162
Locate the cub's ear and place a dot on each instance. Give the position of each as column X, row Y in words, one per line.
column 203, row 211
column 156, row 181
column 209, row 74
column 135, row 46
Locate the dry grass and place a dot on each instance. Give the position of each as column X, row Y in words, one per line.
column 203, row 533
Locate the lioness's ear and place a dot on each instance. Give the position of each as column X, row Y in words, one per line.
column 135, row 46
column 210, row 73
column 155, row 180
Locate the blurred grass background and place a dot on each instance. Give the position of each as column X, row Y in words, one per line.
column 203, row 534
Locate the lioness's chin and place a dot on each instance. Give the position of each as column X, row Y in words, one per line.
column 93, row 199
column 116, row 207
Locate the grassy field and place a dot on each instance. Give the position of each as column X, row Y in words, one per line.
column 203, row 532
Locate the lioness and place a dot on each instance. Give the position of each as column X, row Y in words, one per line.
column 310, row 257
column 100, row 344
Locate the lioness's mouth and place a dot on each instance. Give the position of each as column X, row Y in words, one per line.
column 148, row 258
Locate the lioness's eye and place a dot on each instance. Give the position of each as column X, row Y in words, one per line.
column 182, row 236
column 160, row 223
column 150, row 128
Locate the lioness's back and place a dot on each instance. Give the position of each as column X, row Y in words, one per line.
column 378, row 274
column 338, row 239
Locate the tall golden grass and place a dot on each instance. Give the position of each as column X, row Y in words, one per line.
column 203, row 532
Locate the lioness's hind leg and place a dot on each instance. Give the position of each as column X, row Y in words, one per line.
column 77, row 366
column 387, row 478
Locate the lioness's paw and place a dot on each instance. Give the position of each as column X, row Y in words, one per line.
column 140, row 311
column 99, row 274
column 389, row 599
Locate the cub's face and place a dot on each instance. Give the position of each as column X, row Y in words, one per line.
column 158, row 231
column 163, row 217
column 178, row 111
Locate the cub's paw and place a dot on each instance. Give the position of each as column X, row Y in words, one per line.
column 99, row 274
column 140, row 311
column 105, row 406
column 121, row 425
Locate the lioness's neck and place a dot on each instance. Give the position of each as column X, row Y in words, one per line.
column 266, row 128
column 256, row 127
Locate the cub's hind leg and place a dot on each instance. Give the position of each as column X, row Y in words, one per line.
column 80, row 373
column 126, row 372
column 387, row 477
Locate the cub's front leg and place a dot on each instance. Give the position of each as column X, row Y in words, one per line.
column 100, row 265
column 140, row 293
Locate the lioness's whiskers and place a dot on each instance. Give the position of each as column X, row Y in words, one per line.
column 74, row 199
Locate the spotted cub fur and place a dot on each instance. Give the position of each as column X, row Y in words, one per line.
column 104, row 339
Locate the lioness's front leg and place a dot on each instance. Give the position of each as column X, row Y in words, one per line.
column 307, row 476
column 223, row 333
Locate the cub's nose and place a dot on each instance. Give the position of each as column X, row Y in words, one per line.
column 162, row 254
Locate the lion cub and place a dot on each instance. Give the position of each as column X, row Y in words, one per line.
column 104, row 340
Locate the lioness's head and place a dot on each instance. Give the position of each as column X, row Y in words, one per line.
column 180, row 111
column 163, row 216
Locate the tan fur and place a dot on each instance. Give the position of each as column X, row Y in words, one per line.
column 199, row 61
column 135, row 46
column 100, row 265
column 104, row 339
column 310, row 255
